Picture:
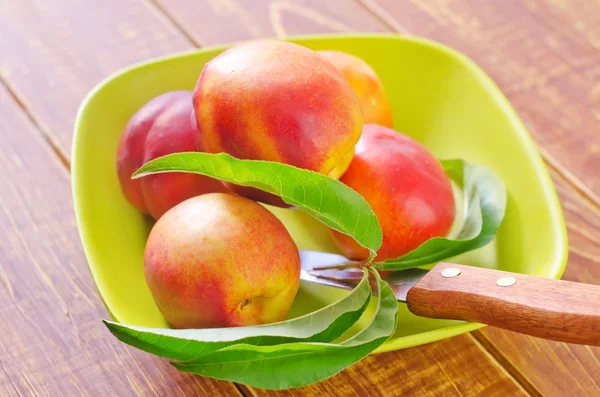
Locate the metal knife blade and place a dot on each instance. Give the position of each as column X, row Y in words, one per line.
column 400, row 281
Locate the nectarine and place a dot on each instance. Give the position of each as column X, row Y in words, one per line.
column 407, row 188
column 220, row 260
column 164, row 125
column 366, row 84
column 277, row 101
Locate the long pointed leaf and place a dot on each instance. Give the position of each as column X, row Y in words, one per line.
column 324, row 198
column 323, row 325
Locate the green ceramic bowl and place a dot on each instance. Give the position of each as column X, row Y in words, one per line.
column 438, row 96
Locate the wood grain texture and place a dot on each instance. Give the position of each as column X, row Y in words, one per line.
column 221, row 21
column 558, row 310
column 52, row 342
column 549, row 71
column 454, row 367
column 55, row 51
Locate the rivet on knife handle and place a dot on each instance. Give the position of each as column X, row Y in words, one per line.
column 551, row 309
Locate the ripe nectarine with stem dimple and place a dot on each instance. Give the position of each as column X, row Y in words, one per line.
column 164, row 125
column 407, row 188
column 366, row 84
column 220, row 260
column 277, row 101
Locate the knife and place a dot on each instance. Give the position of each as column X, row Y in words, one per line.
column 552, row 309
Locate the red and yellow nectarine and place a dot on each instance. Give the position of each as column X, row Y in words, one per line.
column 366, row 84
column 220, row 260
column 164, row 125
column 277, row 101
column 407, row 188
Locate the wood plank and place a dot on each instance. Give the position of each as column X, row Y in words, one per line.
column 54, row 52
column 542, row 67
column 53, row 342
column 453, row 367
column 549, row 72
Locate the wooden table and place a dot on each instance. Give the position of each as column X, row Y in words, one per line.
column 544, row 54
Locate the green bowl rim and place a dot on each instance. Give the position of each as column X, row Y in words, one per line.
column 556, row 269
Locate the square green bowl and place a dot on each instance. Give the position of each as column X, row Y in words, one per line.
column 438, row 96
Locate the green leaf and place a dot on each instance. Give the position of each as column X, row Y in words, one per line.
column 323, row 325
column 298, row 364
column 485, row 198
column 326, row 199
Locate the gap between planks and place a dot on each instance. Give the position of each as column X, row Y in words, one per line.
column 46, row 134
column 244, row 390
column 163, row 12
column 495, row 355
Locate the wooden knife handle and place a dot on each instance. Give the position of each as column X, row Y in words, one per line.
column 546, row 308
